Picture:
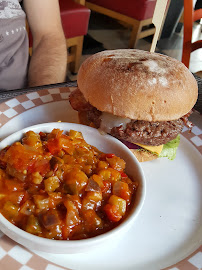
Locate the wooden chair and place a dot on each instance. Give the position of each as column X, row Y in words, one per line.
column 158, row 20
column 190, row 16
column 75, row 18
column 136, row 13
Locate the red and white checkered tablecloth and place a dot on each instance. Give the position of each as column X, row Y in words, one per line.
column 14, row 256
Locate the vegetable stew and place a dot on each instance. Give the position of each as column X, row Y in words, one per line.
column 55, row 185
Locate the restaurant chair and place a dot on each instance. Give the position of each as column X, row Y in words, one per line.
column 137, row 14
column 158, row 19
column 75, row 18
column 190, row 16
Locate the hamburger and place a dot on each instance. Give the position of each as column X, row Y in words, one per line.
column 142, row 98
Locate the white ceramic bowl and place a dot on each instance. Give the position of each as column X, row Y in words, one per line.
column 104, row 143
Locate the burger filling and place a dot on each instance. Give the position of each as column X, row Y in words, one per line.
column 155, row 137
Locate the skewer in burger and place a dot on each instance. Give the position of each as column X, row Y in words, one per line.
column 142, row 98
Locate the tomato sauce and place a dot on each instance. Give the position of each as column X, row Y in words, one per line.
column 55, row 185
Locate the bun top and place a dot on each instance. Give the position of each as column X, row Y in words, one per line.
column 138, row 84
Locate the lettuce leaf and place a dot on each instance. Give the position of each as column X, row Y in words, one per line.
column 170, row 148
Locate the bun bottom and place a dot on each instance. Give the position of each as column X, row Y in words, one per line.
column 143, row 156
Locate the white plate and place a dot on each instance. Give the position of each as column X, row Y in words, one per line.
column 169, row 227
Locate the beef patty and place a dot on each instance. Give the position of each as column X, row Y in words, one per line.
column 136, row 131
column 149, row 133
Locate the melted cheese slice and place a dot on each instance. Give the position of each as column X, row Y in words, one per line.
column 155, row 149
column 108, row 121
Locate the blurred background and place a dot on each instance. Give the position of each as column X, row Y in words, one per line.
column 110, row 24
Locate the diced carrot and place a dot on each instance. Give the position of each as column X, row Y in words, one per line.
column 110, row 155
column 20, row 157
column 41, row 165
column 54, row 146
column 112, row 212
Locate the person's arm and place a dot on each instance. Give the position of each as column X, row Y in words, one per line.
column 49, row 55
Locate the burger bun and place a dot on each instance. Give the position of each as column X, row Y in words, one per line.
column 143, row 156
column 137, row 84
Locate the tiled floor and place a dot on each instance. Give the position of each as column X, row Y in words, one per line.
column 115, row 36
